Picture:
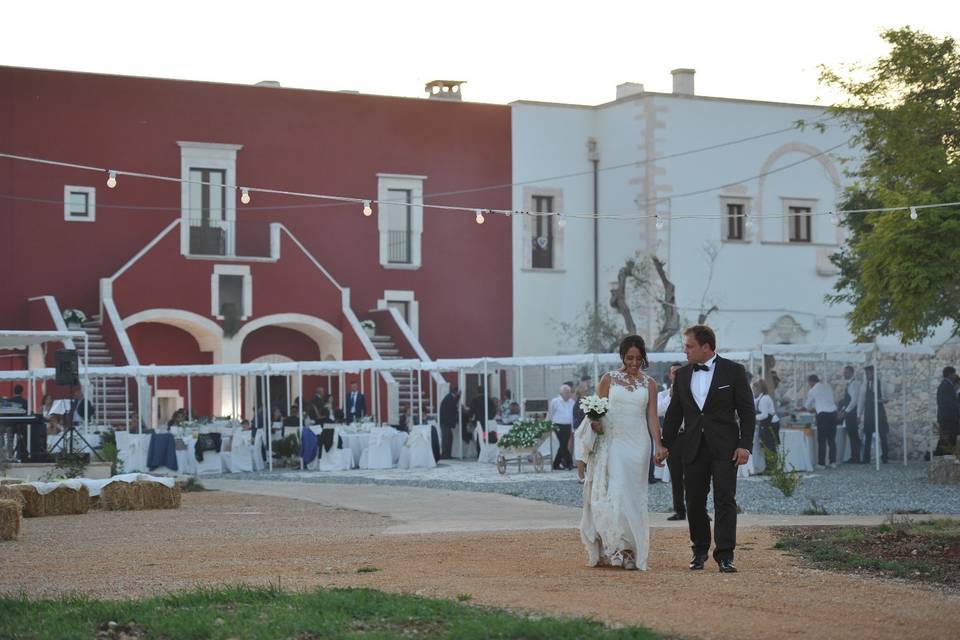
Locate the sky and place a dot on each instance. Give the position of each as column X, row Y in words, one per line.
column 555, row 51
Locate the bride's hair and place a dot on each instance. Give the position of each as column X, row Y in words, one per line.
column 634, row 341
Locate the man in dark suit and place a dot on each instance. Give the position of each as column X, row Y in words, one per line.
column 948, row 412
column 710, row 394
column 356, row 403
column 449, row 415
column 80, row 407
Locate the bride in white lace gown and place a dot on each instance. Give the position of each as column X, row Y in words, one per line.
column 614, row 525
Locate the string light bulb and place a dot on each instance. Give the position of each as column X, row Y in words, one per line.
column 480, row 217
column 561, row 222
column 913, row 213
column 748, row 221
column 245, row 196
column 659, row 223
column 834, row 218
column 112, row 179
column 367, row 209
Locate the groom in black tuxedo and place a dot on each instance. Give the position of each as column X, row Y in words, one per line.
column 710, row 393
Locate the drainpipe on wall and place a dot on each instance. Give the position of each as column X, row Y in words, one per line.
column 594, row 154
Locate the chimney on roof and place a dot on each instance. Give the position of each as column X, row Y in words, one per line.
column 268, row 83
column 629, row 89
column 444, row 89
column 683, row 82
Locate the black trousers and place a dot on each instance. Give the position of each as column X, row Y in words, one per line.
column 826, row 436
column 698, row 475
column 853, row 435
column 675, row 466
column 769, row 434
column 446, row 446
column 868, row 444
column 563, row 459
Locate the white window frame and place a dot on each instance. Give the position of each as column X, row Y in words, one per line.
column 530, row 225
column 787, row 219
column 414, row 184
column 231, row 270
column 91, row 203
column 724, row 218
column 393, row 295
column 208, row 155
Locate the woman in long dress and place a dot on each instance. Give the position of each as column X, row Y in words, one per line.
column 614, row 525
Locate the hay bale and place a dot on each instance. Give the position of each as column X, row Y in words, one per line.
column 65, row 501
column 159, row 496
column 9, row 481
column 33, row 502
column 121, row 496
column 7, row 492
column 10, row 516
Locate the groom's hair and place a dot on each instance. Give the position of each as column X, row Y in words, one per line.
column 703, row 335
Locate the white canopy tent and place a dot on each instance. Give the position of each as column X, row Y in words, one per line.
column 862, row 353
column 11, row 339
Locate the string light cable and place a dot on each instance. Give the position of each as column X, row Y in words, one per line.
column 114, row 174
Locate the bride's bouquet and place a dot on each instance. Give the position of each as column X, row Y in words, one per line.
column 594, row 406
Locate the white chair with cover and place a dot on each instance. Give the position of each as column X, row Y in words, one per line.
column 132, row 450
column 379, row 453
column 241, row 451
column 334, row 458
column 417, row 451
column 259, row 444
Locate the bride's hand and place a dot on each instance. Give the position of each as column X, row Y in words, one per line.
column 661, row 455
column 596, row 426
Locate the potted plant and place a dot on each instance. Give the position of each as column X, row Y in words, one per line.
column 74, row 318
column 369, row 327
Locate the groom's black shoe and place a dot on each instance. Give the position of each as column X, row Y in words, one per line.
column 678, row 516
column 697, row 563
column 726, row 566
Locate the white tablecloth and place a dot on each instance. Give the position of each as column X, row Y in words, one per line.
column 357, row 442
column 798, row 446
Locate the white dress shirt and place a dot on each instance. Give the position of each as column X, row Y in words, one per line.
column 765, row 409
column 853, row 389
column 700, row 382
column 663, row 401
column 561, row 411
column 820, row 399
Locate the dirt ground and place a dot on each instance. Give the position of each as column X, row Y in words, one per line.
column 221, row 538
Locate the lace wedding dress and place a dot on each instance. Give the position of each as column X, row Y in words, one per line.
column 614, row 519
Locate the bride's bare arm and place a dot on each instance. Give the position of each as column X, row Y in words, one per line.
column 603, row 390
column 653, row 421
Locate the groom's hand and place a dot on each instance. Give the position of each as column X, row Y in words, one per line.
column 740, row 457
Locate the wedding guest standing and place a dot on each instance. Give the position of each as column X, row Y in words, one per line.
column 848, row 412
column 768, row 422
column 871, row 423
column 821, row 401
column 948, row 412
column 356, row 403
column 560, row 413
column 449, row 415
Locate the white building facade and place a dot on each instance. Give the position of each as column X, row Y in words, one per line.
column 752, row 203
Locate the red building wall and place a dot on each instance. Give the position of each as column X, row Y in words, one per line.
column 163, row 344
column 310, row 141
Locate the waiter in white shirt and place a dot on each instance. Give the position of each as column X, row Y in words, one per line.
column 849, row 407
column 560, row 414
column 821, row 401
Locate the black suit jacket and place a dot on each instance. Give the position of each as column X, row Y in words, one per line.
column 357, row 410
column 948, row 405
column 449, row 413
column 716, row 426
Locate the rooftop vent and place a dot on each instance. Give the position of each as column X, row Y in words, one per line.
column 444, row 89
column 268, row 83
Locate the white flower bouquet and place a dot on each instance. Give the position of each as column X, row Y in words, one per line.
column 594, row 406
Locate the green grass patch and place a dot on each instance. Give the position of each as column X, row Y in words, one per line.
column 268, row 613
column 192, row 484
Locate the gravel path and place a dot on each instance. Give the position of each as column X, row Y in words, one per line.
column 849, row 489
column 219, row 538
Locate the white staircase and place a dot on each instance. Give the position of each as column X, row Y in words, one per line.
column 107, row 394
column 406, row 380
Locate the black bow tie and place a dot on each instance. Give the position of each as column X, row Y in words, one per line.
column 701, row 367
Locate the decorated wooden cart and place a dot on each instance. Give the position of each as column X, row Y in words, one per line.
column 522, row 444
